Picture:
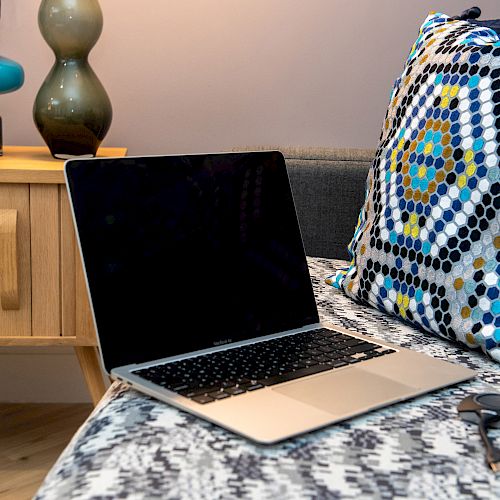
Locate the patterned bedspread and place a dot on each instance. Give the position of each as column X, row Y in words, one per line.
column 133, row 446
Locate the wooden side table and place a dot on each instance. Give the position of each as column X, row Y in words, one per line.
column 43, row 296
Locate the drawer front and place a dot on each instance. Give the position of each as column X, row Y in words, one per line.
column 53, row 299
column 60, row 303
column 45, row 260
column 16, row 320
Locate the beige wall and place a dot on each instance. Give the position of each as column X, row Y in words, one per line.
column 208, row 75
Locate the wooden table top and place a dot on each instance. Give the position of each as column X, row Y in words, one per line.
column 35, row 165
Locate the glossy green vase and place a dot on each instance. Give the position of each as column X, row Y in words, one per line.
column 72, row 110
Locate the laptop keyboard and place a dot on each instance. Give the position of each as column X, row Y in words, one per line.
column 231, row 372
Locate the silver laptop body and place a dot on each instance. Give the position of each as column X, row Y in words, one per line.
column 135, row 226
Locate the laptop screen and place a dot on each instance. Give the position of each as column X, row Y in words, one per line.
column 187, row 252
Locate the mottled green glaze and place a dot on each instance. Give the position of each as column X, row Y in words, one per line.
column 72, row 110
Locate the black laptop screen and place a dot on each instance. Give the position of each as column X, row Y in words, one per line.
column 184, row 253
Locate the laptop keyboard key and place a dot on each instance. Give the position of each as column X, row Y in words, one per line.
column 349, row 360
column 365, row 346
column 179, row 388
column 386, row 351
column 234, row 391
column 338, row 363
column 322, row 359
column 326, row 349
column 203, row 399
column 189, row 393
column 219, row 395
column 310, row 362
column 252, row 387
column 353, row 342
column 314, row 352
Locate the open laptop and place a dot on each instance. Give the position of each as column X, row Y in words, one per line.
column 202, row 298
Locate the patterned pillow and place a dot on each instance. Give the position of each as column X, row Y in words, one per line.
column 427, row 244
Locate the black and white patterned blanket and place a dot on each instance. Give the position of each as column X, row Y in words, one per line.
column 133, row 446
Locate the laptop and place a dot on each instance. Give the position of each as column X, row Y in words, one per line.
column 202, row 298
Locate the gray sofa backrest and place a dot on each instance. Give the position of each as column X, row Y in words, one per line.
column 328, row 187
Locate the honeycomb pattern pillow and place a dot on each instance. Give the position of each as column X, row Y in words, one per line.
column 427, row 245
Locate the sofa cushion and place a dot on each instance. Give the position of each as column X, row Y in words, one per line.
column 328, row 192
column 427, row 245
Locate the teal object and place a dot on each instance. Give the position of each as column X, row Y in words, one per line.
column 11, row 78
column 72, row 110
column 11, row 75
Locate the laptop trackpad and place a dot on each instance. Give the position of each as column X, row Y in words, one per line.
column 347, row 391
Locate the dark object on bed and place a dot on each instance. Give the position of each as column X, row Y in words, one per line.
column 471, row 15
column 468, row 14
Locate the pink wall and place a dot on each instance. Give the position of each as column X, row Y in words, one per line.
column 208, row 75
column 201, row 75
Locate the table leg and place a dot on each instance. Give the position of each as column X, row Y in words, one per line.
column 89, row 363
